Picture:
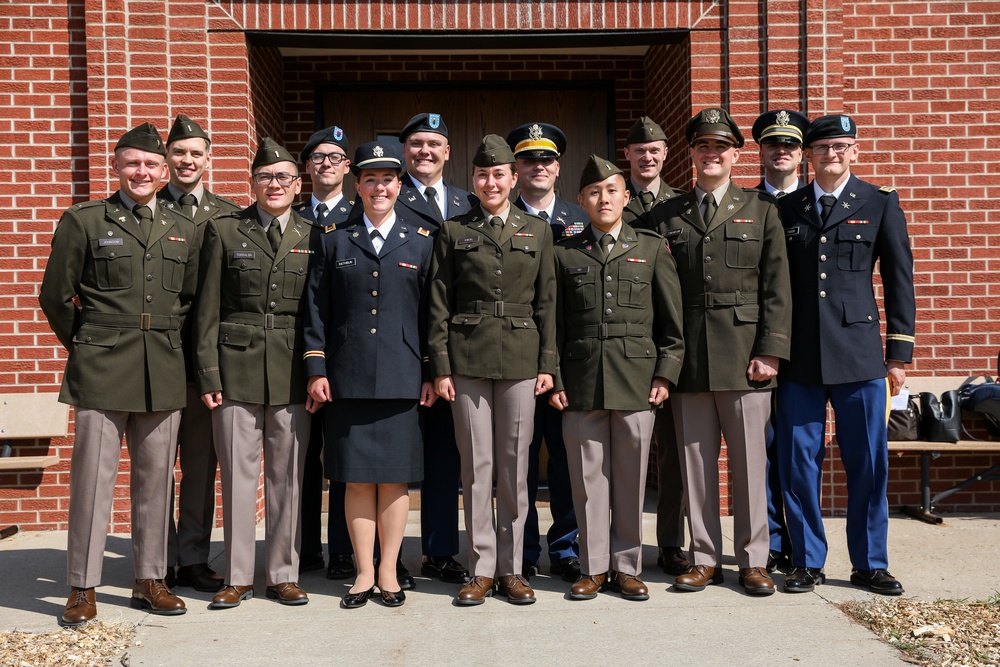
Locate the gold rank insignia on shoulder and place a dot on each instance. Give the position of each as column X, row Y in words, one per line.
column 637, row 260
column 423, row 232
column 886, row 189
column 329, row 228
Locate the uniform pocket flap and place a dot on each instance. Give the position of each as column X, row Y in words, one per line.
column 235, row 335
column 468, row 242
column 90, row 334
column 639, row 348
column 470, row 320
column 525, row 243
column 245, row 260
column 860, row 310
column 108, row 250
column 743, row 231
column 748, row 312
column 175, row 251
column 859, row 232
column 676, row 236
column 635, row 272
column 522, row 323
column 577, row 349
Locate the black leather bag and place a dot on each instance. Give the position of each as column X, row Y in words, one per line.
column 905, row 424
column 941, row 420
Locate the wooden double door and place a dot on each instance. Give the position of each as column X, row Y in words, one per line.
column 583, row 112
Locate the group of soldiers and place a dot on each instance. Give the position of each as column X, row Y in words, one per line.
column 635, row 311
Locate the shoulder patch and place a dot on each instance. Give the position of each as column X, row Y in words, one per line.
column 885, row 189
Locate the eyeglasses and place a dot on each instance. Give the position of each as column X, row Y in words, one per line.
column 335, row 158
column 265, row 178
column 823, row 149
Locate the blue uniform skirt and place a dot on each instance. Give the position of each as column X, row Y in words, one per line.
column 375, row 441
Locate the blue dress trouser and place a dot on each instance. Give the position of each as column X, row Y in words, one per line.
column 860, row 426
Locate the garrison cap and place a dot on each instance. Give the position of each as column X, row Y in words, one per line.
column 145, row 138
column 328, row 135
column 270, row 152
column 780, row 126
column 643, row 131
column 715, row 123
column 537, row 140
column 830, row 127
column 597, row 169
column 376, row 155
column 424, row 122
column 493, row 150
column 185, row 128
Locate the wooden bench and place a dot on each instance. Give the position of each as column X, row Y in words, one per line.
column 29, row 417
column 930, row 451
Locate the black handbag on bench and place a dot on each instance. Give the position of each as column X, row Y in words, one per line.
column 942, row 420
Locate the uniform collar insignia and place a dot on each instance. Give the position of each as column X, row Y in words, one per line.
column 412, row 198
column 121, row 219
column 852, row 195
column 730, row 207
column 561, row 220
column 845, row 204
column 808, row 207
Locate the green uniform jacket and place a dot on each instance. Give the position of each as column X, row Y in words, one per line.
column 492, row 301
column 250, row 312
column 633, row 209
column 735, row 286
column 125, row 344
column 619, row 320
column 211, row 205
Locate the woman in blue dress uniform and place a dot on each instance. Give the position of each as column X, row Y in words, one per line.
column 364, row 351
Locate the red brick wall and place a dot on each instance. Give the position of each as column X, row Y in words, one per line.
column 920, row 78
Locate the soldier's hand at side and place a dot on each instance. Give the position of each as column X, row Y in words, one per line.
column 427, row 394
column 318, row 388
column 897, row 376
column 762, row 369
column 212, row 399
column 660, row 391
column 543, row 383
column 558, row 400
column 444, row 387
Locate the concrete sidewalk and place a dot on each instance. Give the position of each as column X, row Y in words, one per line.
column 718, row 626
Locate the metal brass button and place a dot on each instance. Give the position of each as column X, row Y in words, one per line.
column 374, row 311
column 498, row 272
column 374, row 292
column 496, row 291
column 149, row 256
column 822, row 258
column 608, row 279
column 608, row 294
column 374, row 274
column 499, row 255
column 111, row 254
column 858, row 237
column 822, row 239
column 149, row 277
column 822, row 294
column 149, row 298
column 708, row 239
column 869, row 318
column 708, row 279
column 243, row 265
column 708, row 259
column 273, row 287
column 822, row 276
column 608, row 311
column 743, row 236
column 274, row 270
column 272, row 305
column 89, row 339
column 371, row 331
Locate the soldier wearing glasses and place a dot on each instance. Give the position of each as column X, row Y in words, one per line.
column 250, row 372
column 326, row 162
column 836, row 228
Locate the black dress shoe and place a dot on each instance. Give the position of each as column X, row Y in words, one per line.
column 199, row 577
column 877, row 581
column 445, row 568
column 404, row 577
column 673, row 561
column 529, row 570
column 803, row 579
column 355, row 600
column 310, row 562
column 568, row 568
column 341, row 567
column 779, row 561
column 392, row 598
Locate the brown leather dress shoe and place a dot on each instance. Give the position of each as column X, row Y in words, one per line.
column 698, row 577
column 80, row 607
column 287, row 593
column 630, row 586
column 199, row 577
column 154, row 596
column 756, row 581
column 475, row 592
column 516, row 589
column 588, row 586
column 231, row 596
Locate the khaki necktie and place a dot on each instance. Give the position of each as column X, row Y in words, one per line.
column 274, row 234
column 188, row 202
column 144, row 215
column 710, row 208
column 497, row 223
column 647, row 200
column 607, row 242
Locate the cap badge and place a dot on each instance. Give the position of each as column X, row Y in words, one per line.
column 187, row 127
column 782, row 118
column 713, row 116
column 378, row 152
column 535, row 132
column 276, row 154
column 434, row 120
column 338, row 133
column 845, row 123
